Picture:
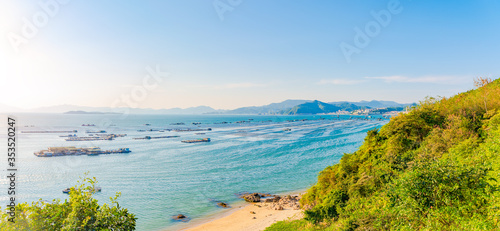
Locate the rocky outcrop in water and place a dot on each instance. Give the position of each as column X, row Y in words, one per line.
column 219, row 203
column 223, row 205
column 253, row 197
column 256, row 197
column 180, row 217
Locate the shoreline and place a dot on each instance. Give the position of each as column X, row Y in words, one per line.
column 243, row 215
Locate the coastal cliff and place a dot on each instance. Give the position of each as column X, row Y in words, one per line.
column 434, row 168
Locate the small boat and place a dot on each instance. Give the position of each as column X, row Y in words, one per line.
column 287, row 129
column 66, row 190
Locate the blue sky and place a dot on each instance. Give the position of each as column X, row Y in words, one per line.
column 95, row 53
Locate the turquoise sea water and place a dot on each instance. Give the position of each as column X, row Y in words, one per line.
column 163, row 177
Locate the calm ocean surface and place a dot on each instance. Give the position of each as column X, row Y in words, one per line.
column 164, row 177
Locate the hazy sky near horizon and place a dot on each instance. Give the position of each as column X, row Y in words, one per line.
column 232, row 53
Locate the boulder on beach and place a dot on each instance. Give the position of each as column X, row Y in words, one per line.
column 256, row 197
column 278, row 207
column 274, row 199
column 281, row 203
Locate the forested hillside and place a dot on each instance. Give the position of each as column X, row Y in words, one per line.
column 434, row 168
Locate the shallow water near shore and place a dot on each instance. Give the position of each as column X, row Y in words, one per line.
column 164, row 177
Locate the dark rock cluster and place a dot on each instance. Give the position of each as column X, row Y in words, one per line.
column 273, row 201
column 281, row 203
column 255, row 197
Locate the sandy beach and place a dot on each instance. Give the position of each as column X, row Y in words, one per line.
column 252, row 217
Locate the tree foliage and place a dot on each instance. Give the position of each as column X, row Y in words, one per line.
column 80, row 212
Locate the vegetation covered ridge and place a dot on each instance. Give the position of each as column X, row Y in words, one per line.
column 434, row 168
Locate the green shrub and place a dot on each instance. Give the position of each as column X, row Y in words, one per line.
column 329, row 208
column 434, row 168
column 80, row 212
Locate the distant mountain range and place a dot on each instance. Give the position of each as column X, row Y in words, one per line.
column 318, row 107
column 295, row 107
column 274, row 108
column 314, row 107
column 89, row 112
column 288, row 107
